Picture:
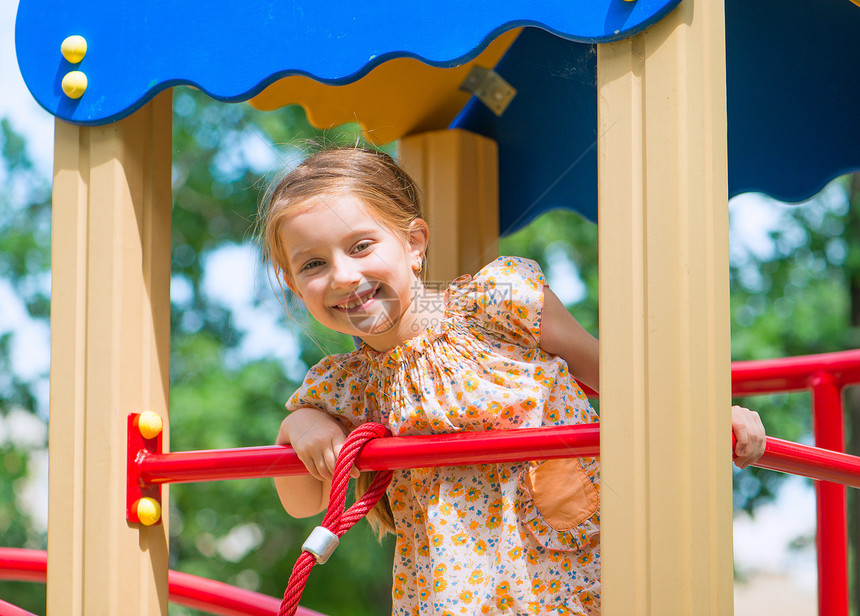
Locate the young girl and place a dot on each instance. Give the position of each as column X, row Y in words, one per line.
column 494, row 351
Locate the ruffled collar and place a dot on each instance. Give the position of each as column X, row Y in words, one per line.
column 417, row 344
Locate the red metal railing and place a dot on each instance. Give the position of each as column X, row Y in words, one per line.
column 825, row 376
column 7, row 609
column 464, row 448
column 392, row 453
column 183, row 589
column 768, row 376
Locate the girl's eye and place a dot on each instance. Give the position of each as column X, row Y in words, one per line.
column 310, row 265
column 362, row 246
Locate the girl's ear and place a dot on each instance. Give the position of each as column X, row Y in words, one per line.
column 419, row 237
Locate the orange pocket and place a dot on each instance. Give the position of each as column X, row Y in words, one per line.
column 562, row 493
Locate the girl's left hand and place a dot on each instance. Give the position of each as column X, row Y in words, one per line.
column 750, row 435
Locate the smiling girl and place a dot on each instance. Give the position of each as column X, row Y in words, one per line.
column 495, row 351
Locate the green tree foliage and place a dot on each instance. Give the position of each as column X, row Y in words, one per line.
column 24, row 261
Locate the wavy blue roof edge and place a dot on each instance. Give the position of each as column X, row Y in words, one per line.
column 65, row 108
column 812, row 186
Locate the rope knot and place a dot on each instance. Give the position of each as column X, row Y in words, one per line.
column 325, row 538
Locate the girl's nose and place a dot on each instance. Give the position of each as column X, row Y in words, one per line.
column 344, row 274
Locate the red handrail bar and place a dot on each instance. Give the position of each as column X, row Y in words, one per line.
column 7, row 609
column 749, row 377
column 222, row 599
column 793, row 373
column 184, row 589
column 22, row 565
column 824, row 375
column 831, row 537
column 768, row 376
column 465, row 448
column 389, row 453
column 812, row 462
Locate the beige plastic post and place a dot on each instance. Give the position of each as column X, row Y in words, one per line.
column 666, row 497
column 110, row 328
column 458, row 174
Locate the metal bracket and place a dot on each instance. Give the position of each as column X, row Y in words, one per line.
column 138, row 447
column 321, row 544
column 490, row 88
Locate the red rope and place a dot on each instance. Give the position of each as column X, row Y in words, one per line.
column 336, row 519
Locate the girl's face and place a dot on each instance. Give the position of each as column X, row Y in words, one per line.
column 354, row 274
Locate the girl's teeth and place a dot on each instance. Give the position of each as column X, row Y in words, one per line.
column 356, row 303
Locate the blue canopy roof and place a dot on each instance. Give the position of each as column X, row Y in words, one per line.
column 791, row 74
column 793, row 124
column 233, row 50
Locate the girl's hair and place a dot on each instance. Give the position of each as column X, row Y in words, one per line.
column 372, row 176
column 382, row 185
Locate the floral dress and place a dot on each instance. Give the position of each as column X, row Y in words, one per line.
column 511, row 538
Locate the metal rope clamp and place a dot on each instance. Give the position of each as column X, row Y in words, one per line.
column 321, row 544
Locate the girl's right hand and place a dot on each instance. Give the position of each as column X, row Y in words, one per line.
column 750, row 435
column 317, row 438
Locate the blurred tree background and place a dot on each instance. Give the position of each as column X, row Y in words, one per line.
column 25, row 240
column 229, row 381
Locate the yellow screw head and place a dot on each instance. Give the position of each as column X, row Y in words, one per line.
column 74, row 48
column 74, row 84
column 150, row 424
column 148, row 511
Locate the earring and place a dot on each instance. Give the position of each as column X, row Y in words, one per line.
column 417, row 268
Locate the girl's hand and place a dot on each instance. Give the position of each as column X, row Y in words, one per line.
column 317, row 438
column 750, row 435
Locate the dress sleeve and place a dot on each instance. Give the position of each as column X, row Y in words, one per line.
column 334, row 385
column 504, row 298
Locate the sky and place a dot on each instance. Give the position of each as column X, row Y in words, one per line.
column 761, row 544
column 15, row 101
column 31, row 340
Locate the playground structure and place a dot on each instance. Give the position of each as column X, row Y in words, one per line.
column 661, row 164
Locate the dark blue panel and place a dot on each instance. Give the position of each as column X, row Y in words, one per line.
column 232, row 50
column 793, row 77
column 547, row 136
column 793, row 83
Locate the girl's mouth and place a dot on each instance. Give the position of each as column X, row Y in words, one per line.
column 358, row 301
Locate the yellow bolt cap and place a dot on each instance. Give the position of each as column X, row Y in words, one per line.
column 74, row 48
column 74, row 84
column 148, row 511
column 150, row 424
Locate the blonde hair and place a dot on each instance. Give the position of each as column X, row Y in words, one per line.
column 383, row 186
column 370, row 175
